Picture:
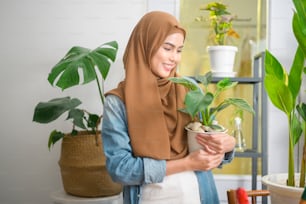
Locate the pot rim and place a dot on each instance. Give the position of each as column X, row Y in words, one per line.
column 222, row 47
column 268, row 181
column 207, row 133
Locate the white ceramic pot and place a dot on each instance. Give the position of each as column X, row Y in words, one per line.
column 193, row 145
column 280, row 193
column 222, row 59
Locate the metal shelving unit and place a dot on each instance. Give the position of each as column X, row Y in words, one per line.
column 259, row 124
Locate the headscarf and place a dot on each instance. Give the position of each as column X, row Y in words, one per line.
column 155, row 126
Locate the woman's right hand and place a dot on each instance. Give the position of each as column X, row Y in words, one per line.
column 201, row 160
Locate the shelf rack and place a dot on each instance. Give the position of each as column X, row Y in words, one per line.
column 259, row 125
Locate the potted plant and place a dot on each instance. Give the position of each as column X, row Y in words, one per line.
column 82, row 161
column 201, row 105
column 222, row 56
column 283, row 90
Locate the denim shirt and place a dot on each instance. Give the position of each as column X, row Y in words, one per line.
column 133, row 172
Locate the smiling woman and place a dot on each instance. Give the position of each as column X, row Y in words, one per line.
column 143, row 133
column 168, row 55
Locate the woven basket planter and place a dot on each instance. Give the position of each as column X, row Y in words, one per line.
column 82, row 164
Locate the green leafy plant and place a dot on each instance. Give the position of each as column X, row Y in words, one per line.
column 283, row 88
column 200, row 103
column 78, row 67
column 220, row 21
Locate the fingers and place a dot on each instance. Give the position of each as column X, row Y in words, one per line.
column 204, row 161
column 217, row 143
column 210, row 143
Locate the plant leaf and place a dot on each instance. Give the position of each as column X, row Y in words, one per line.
column 301, row 108
column 54, row 137
column 276, row 84
column 296, row 128
column 77, row 116
column 295, row 75
column 204, row 79
column 240, row 104
column 186, row 81
column 93, row 119
column 46, row 112
column 196, row 101
column 274, row 68
column 65, row 73
column 225, row 83
column 299, row 23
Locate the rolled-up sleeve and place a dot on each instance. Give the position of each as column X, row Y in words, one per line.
column 122, row 165
column 228, row 157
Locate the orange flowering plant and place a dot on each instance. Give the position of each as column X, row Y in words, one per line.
column 220, row 20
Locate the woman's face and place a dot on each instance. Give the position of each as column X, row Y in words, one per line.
column 168, row 55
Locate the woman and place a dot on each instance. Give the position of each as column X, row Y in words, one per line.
column 143, row 131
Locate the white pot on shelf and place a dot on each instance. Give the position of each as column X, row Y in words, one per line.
column 222, row 59
column 280, row 193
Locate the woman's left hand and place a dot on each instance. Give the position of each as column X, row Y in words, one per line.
column 216, row 143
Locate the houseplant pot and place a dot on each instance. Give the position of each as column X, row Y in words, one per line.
column 222, row 60
column 84, row 171
column 193, row 145
column 201, row 105
column 280, row 193
column 283, row 89
column 221, row 55
column 82, row 160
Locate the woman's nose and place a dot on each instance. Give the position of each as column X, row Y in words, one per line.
column 174, row 56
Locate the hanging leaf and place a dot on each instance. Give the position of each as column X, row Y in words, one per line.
column 54, row 137
column 46, row 112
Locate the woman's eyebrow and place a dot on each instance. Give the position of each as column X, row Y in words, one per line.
column 172, row 45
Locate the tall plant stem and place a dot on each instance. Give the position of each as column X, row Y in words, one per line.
column 100, row 89
column 302, row 172
column 291, row 180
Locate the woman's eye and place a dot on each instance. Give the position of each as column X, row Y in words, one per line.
column 167, row 48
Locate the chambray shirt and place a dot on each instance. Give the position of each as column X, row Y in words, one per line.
column 133, row 172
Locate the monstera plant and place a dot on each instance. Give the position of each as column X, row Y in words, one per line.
column 82, row 161
column 78, row 67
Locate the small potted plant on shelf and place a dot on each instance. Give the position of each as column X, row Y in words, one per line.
column 82, row 161
column 201, row 105
column 283, row 90
column 222, row 55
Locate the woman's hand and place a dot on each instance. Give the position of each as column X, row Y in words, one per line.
column 219, row 143
column 210, row 157
column 199, row 160
column 203, row 161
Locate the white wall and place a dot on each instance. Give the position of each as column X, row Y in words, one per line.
column 34, row 35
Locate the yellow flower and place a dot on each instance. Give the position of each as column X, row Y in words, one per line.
column 231, row 32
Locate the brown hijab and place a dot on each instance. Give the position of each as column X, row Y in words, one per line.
column 156, row 127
